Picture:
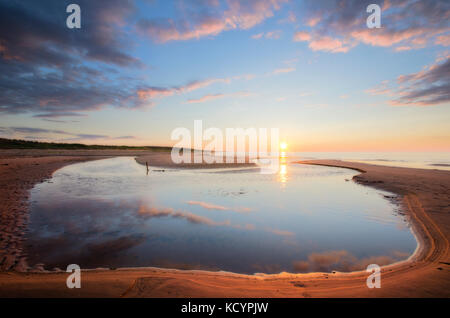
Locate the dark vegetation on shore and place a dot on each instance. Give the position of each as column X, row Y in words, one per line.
column 27, row 144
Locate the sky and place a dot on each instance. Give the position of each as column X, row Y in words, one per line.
column 136, row 70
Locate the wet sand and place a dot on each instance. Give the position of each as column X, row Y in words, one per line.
column 425, row 200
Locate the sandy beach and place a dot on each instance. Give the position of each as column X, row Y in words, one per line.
column 425, row 197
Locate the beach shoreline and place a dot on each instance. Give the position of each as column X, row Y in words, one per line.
column 425, row 274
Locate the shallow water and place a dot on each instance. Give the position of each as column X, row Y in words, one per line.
column 421, row 160
column 109, row 213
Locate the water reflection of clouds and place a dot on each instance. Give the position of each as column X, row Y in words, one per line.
column 280, row 232
column 212, row 206
column 94, row 232
column 91, row 232
column 343, row 261
column 125, row 219
column 190, row 217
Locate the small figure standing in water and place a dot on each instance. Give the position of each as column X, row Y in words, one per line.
column 146, row 164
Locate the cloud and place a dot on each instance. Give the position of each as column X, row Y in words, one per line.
column 280, row 232
column 402, row 48
column 258, row 36
column 322, row 43
column 160, row 92
column 328, row 44
column 338, row 26
column 209, row 19
column 268, row 35
column 48, row 69
column 381, row 89
column 39, row 36
column 59, row 114
column 42, row 134
column 302, row 36
column 443, row 40
column 206, row 98
column 29, row 130
column 283, row 70
column 210, row 97
column 431, row 86
column 304, row 94
column 89, row 137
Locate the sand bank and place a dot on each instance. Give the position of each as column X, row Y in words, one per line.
column 425, row 199
column 163, row 159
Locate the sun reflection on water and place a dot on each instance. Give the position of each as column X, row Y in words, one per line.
column 282, row 172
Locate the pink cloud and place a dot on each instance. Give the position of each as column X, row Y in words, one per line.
column 154, row 92
column 160, row 92
column 280, row 232
column 246, row 14
column 258, row 36
column 302, row 36
column 381, row 89
column 380, row 37
column 205, row 98
column 238, row 15
column 328, row 44
column 313, row 21
column 338, row 26
column 402, row 48
column 430, row 86
column 283, row 70
column 321, row 43
column 273, row 35
column 443, row 40
column 210, row 97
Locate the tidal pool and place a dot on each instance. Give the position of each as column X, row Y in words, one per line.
column 110, row 213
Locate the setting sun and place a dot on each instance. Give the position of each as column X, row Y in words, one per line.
column 283, row 146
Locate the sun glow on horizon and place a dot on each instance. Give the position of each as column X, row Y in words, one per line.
column 283, row 146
